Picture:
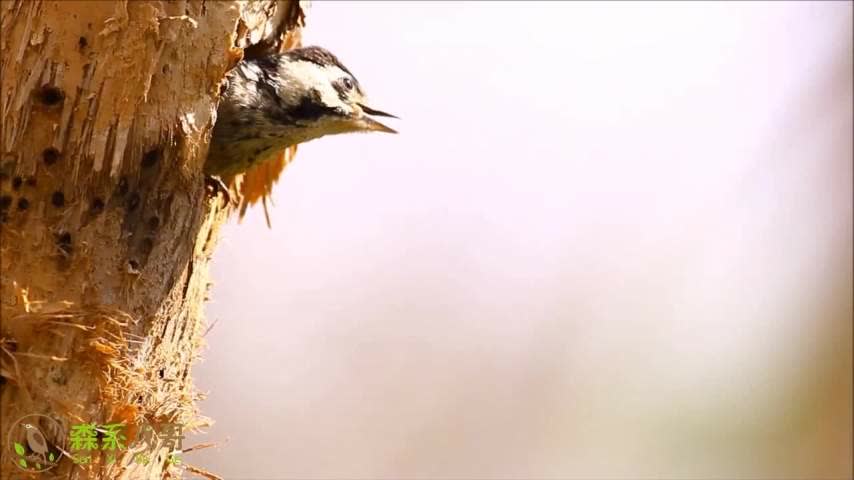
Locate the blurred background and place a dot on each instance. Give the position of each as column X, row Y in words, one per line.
column 612, row 240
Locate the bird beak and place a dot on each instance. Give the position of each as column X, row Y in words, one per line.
column 369, row 124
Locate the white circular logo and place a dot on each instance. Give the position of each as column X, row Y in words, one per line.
column 28, row 440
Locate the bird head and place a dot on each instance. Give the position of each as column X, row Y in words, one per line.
column 276, row 101
column 317, row 94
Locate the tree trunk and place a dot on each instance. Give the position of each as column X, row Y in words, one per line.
column 107, row 226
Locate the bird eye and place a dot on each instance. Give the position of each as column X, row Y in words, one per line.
column 348, row 84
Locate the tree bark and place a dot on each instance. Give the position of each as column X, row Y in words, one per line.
column 107, row 226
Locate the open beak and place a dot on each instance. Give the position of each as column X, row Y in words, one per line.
column 369, row 124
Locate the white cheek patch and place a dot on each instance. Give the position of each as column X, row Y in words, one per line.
column 310, row 76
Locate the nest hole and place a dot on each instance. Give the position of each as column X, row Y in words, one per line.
column 51, row 95
column 97, row 205
column 50, row 155
column 57, row 199
column 63, row 242
column 151, row 157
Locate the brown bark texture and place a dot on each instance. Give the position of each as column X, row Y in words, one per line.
column 107, row 226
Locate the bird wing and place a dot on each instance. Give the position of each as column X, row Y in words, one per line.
column 36, row 440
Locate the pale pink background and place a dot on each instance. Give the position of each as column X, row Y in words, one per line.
column 611, row 241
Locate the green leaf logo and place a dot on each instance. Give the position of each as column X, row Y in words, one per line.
column 46, row 457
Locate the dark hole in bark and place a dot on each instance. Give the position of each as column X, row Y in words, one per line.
column 57, row 199
column 50, row 155
column 122, row 187
column 82, row 43
column 5, row 202
column 16, row 183
column 97, row 205
column 23, row 203
column 150, row 158
column 133, row 264
column 153, row 223
column 30, row 181
column 51, row 95
column 63, row 241
column 133, row 202
column 161, row 372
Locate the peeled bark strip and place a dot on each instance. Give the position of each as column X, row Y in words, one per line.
column 107, row 227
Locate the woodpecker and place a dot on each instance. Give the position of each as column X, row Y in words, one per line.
column 279, row 100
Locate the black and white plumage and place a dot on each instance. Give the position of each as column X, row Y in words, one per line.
column 280, row 100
